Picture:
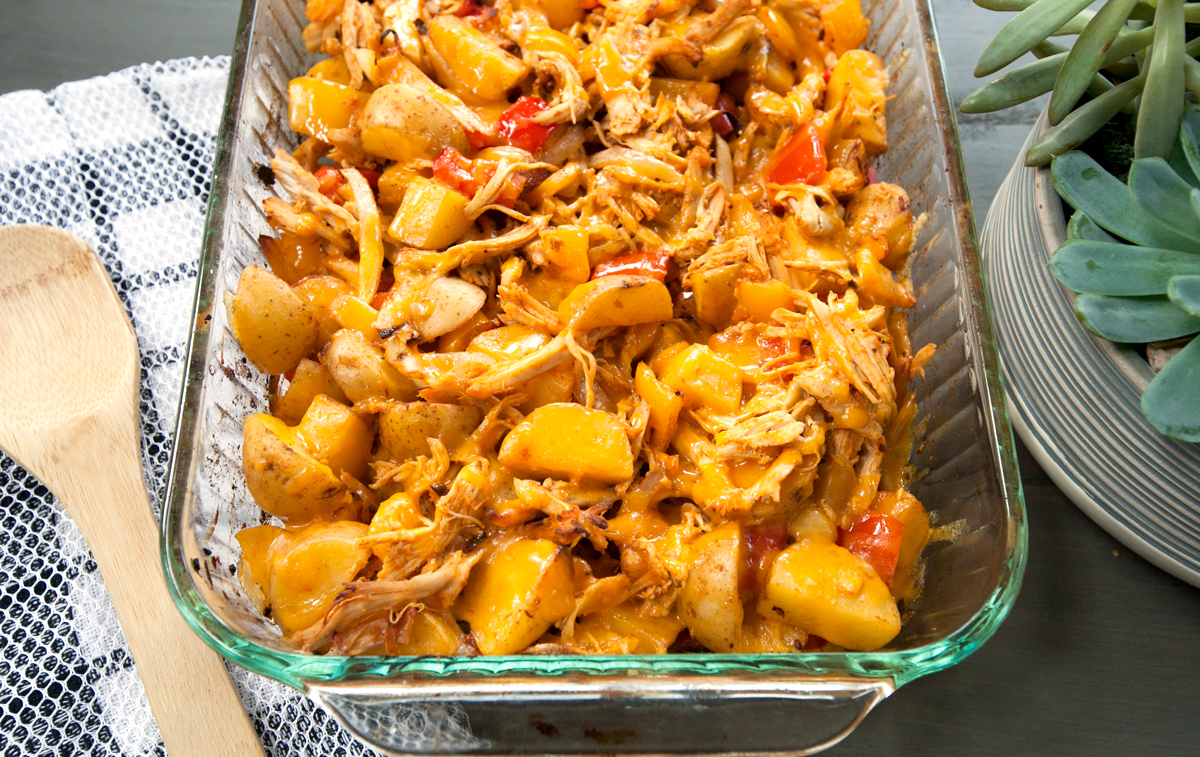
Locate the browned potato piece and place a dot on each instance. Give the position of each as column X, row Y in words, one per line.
column 432, row 216
column 516, row 593
column 731, row 51
column 320, row 292
column 616, row 301
column 856, row 93
column 309, row 570
column 824, row 589
column 571, row 442
column 274, row 327
column 310, row 379
column 709, row 603
column 432, row 633
column 472, row 61
column 284, row 478
column 404, row 124
column 337, row 436
column 359, row 369
column 405, row 426
column 882, row 210
column 715, row 294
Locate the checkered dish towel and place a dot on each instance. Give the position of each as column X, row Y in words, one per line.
column 124, row 162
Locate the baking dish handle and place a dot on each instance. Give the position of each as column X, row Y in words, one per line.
column 610, row 714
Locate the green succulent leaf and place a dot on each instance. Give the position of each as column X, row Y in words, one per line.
column 1017, row 86
column 1004, row 5
column 1128, row 44
column 1184, row 291
column 1082, row 123
column 1162, row 100
column 1119, row 269
column 1086, row 56
column 1159, row 192
column 1189, row 137
column 1081, row 226
column 1179, row 163
column 1086, row 186
column 1172, row 401
column 1134, row 320
column 1029, row 27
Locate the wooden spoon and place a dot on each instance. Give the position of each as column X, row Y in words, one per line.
column 70, row 372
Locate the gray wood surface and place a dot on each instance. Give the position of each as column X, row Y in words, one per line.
column 1100, row 654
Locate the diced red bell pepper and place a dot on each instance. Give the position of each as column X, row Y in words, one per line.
column 516, row 128
column 329, row 179
column 469, row 176
column 801, row 160
column 470, row 8
column 479, row 141
column 652, row 264
column 762, row 541
column 372, row 177
column 875, row 537
column 455, row 171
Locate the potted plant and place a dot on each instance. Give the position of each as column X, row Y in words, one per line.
column 1119, row 143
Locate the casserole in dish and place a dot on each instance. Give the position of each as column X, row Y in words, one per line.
column 966, row 475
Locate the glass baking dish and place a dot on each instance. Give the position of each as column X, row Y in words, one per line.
column 671, row 704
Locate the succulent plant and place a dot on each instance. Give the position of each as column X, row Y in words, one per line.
column 1130, row 55
column 1133, row 255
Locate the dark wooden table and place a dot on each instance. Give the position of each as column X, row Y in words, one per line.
column 1101, row 655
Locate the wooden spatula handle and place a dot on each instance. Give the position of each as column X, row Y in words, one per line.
column 195, row 704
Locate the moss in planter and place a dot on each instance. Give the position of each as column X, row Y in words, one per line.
column 1112, row 146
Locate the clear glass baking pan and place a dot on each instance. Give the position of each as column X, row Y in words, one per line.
column 671, row 704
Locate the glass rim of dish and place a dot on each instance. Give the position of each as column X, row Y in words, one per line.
column 299, row 670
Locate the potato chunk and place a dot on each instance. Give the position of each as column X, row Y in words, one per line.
column 310, row 379
column 317, row 106
column 431, row 633
column 704, row 378
column 569, row 441
column 360, row 370
column 284, row 478
column 760, row 299
column 654, row 634
column 516, row 593
column 664, row 402
column 311, row 569
column 337, row 436
column 709, row 603
column 823, row 589
column 320, row 292
column 405, row 426
column 715, row 297
column 474, row 61
column 731, row 51
column 256, row 552
column 432, row 216
column 856, row 85
column 454, row 302
column 616, row 301
column 275, row 328
column 402, row 123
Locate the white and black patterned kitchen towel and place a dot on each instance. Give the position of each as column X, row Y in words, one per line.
column 123, row 161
